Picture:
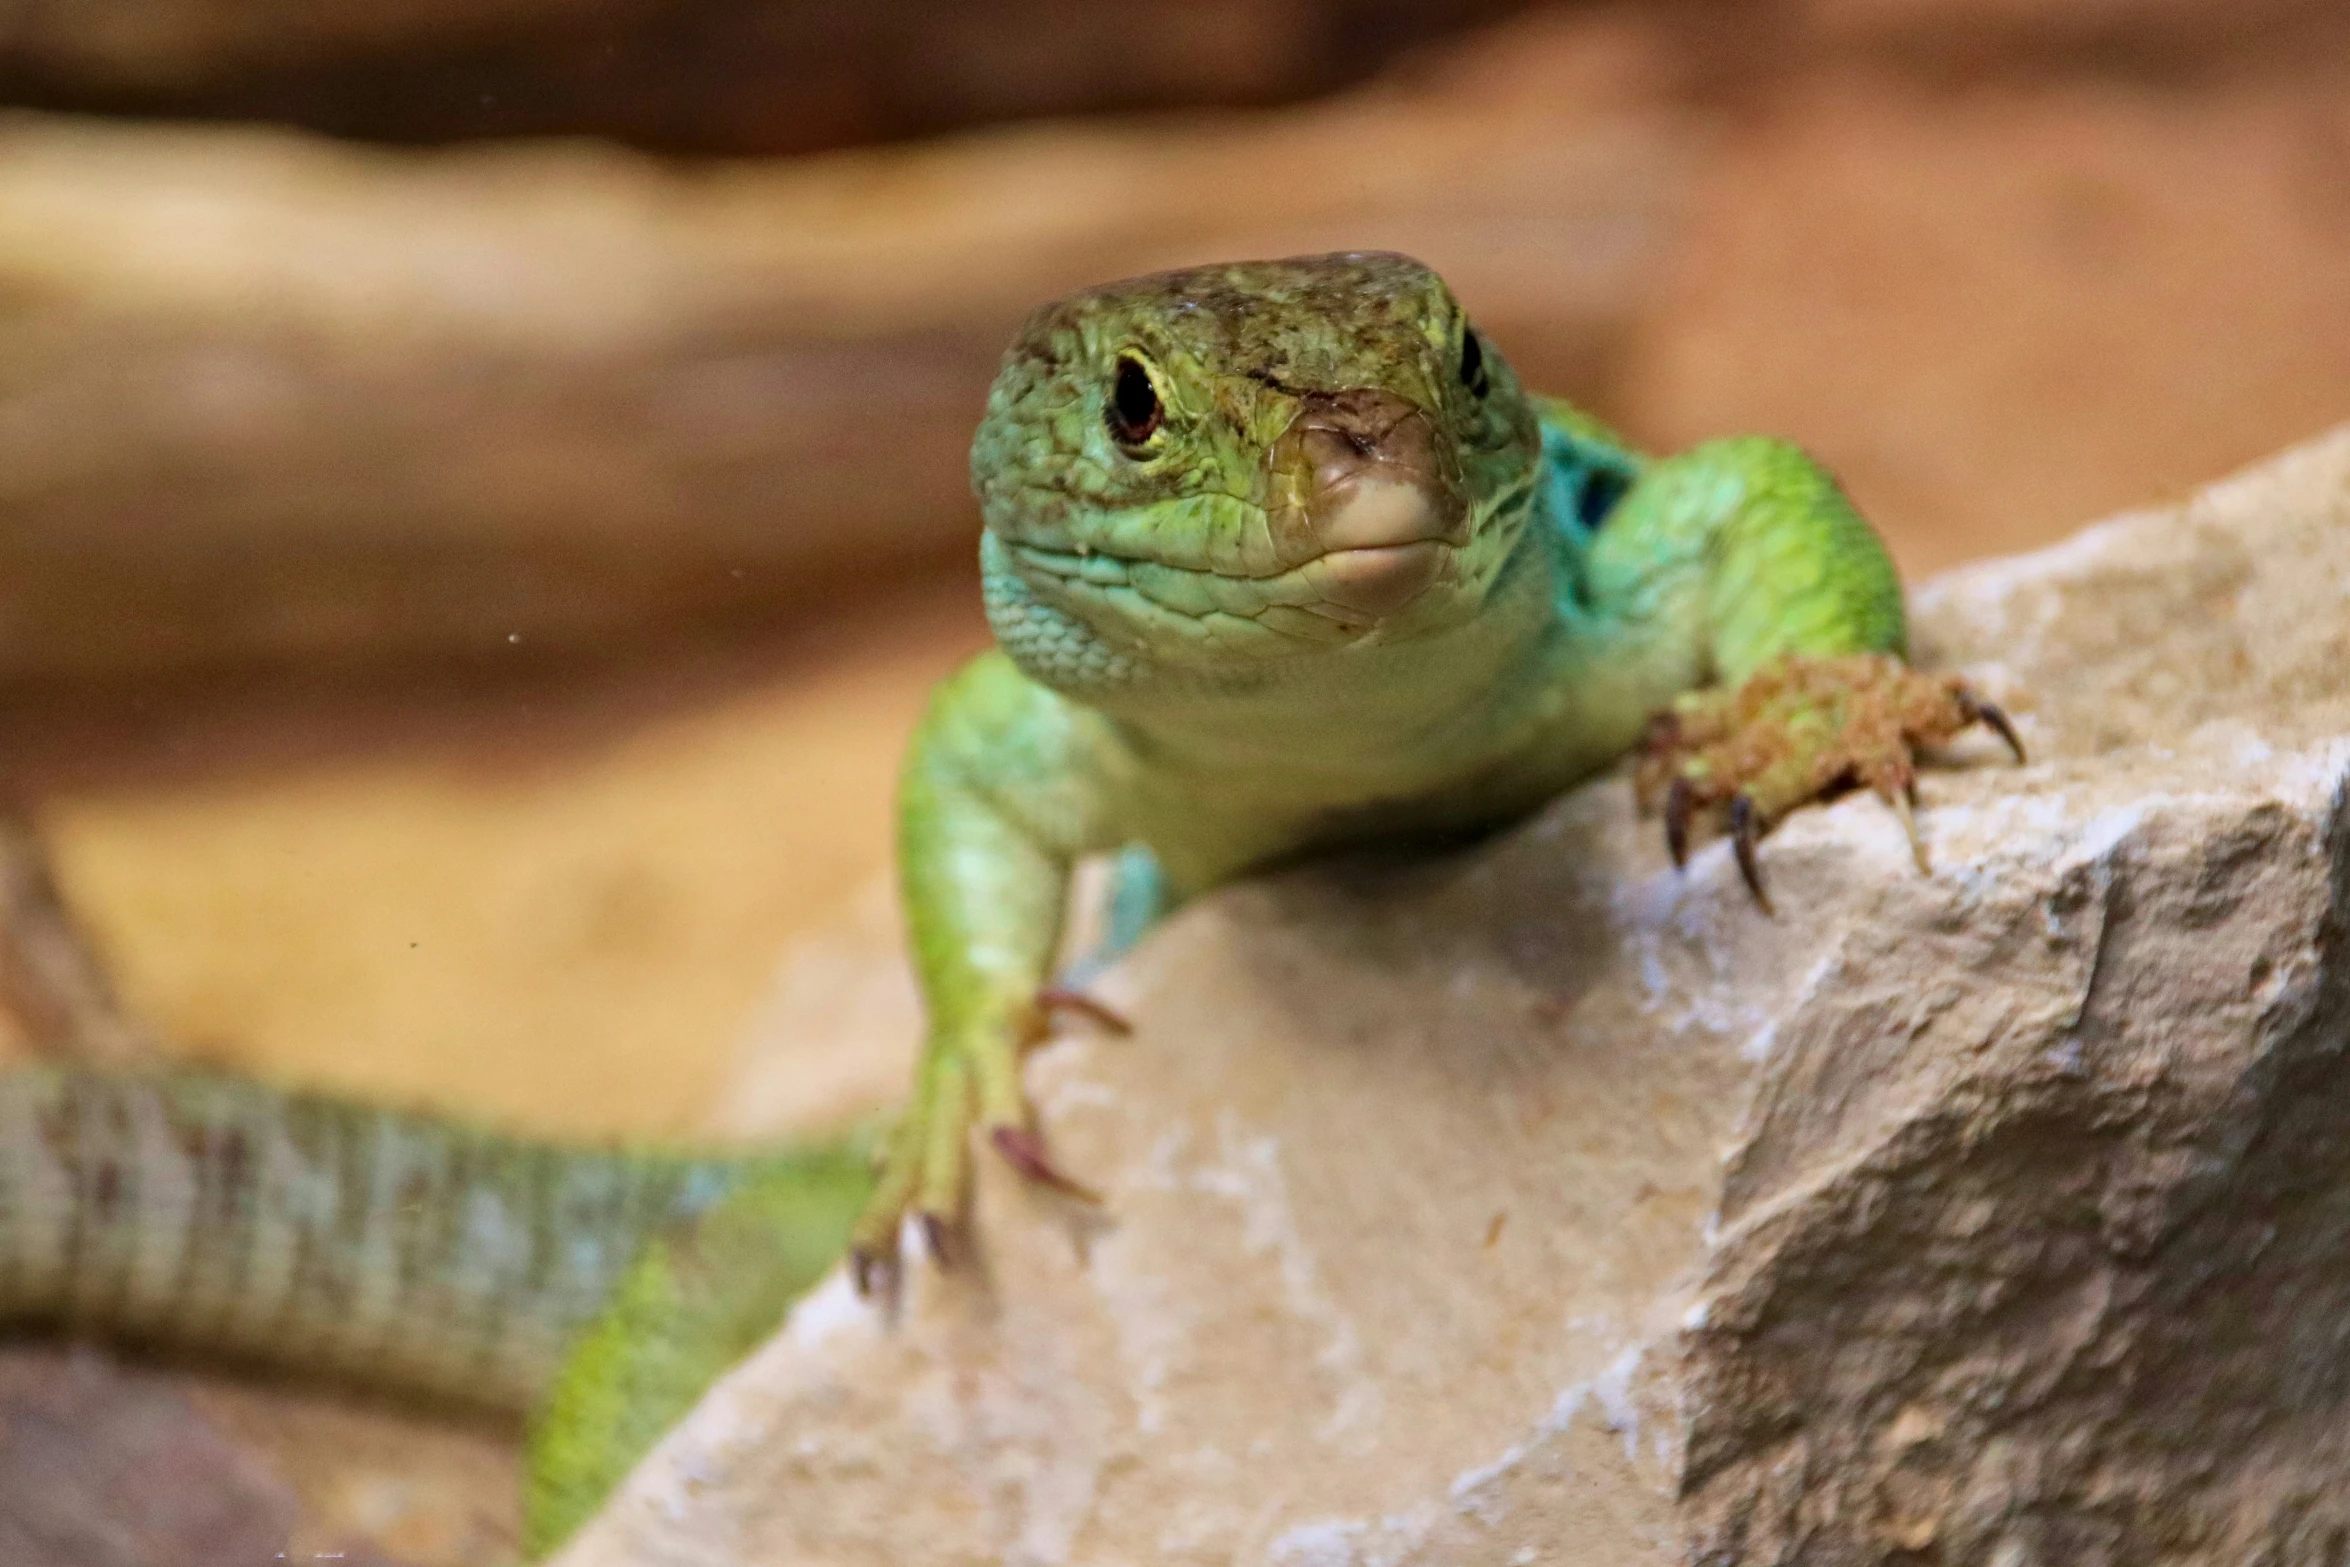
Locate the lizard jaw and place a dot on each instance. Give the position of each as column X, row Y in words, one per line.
column 1336, row 595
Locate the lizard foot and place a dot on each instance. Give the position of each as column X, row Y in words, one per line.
column 1798, row 730
column 926, row 1159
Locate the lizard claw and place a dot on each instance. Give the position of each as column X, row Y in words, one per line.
column 1745, row 830
column 877, row 1277
column 966, row 1082
column 925, row 1170
column 1680, row 802
column 1060, row 998
column 1901, row 794
column 1024, row 1151
column 1992, row 717
column 936, row 1233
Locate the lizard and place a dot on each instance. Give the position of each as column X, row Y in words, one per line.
column 1278, row 556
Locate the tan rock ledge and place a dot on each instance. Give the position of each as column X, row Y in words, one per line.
column 1540, row 1205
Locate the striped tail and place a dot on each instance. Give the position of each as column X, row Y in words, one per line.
column 214, row 1216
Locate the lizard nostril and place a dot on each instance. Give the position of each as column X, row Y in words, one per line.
column 1363, row 468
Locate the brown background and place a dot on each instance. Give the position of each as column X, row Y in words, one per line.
column 462, row 591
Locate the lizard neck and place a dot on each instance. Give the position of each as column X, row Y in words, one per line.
column 1374, row 714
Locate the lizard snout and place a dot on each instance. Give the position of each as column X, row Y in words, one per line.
column 1366, row 497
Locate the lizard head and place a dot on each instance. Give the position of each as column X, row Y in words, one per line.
column 1231, row 465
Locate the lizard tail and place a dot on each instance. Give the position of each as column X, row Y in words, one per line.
column 409, row 1253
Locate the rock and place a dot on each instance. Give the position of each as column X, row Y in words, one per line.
column 262, row 396
column 1537, row 1204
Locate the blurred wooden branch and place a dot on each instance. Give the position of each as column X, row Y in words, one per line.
column 726, row 76
column 777, row 76
column 55, row 991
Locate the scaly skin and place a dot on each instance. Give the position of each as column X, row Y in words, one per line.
column 1279, row 555
column 599, row 1290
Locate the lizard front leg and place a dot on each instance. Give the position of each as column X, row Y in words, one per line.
column 1003, row 790
column 1751, row 551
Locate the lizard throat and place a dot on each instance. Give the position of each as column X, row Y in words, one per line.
column 1334, row 596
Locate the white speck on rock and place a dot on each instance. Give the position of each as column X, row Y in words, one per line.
column 2105, row 832
column 1325, row 1544
column 1379, row 1542
column 1469, row 1482
column 831, row 1307
column 2320, row 774
column 1612, row 1388
column 1071, row 1092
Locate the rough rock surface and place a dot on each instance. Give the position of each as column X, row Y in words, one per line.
column 1538, row 1204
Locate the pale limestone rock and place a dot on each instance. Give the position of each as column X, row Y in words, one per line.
column 1537, row 1204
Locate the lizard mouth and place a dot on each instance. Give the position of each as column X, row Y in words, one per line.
column 1349, row 588
column 1363, row 511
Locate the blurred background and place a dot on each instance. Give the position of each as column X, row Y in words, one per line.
column 481, row 481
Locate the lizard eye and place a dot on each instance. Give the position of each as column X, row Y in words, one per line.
column 1473, row 365
column 1134, row 412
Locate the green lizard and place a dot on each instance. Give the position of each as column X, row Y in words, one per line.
column 1279, row 555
